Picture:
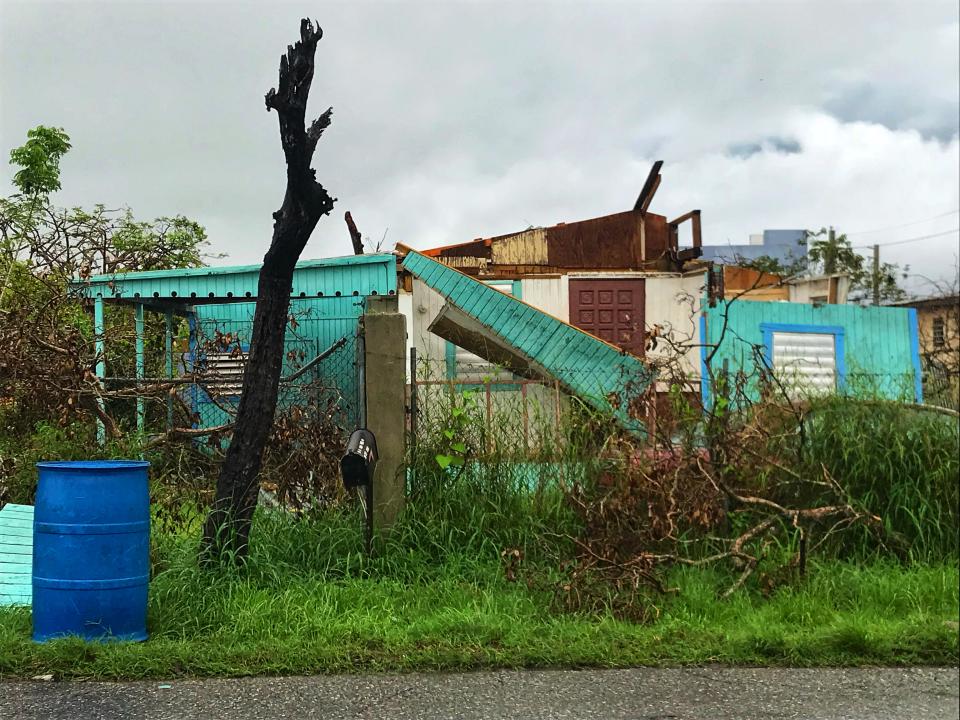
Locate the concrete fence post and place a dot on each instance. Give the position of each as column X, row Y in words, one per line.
column 385, row 358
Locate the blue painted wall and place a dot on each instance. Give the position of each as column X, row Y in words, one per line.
column 877, row 347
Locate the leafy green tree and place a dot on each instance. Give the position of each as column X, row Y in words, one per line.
column 830, row 252
column 46, row 348
column 39, row 160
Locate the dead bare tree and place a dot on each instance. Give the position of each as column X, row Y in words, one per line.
column 355, row 236
column 227, row 528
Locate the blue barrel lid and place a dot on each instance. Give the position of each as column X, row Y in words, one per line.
column 85, row 465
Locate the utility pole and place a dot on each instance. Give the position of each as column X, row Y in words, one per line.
column 830, row 256
column 876, row 274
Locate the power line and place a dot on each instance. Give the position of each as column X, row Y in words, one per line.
column 897, row 227
column 908, row 240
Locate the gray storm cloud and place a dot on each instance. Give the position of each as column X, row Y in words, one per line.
column 459, row 120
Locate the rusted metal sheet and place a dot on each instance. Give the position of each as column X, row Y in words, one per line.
column 752, row 284
column 628, row 240
column 613, row 310
column 474, row 248
column 469, row 264
column 657, row 239
column 612, row 241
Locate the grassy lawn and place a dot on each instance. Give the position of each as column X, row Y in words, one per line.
column 303, row 606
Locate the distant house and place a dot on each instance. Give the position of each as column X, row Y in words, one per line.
column 938, row 320
column 785, row 246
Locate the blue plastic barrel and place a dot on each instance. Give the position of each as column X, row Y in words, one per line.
column 91, row 550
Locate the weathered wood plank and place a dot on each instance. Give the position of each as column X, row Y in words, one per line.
column 16, row 555
column 16, row 521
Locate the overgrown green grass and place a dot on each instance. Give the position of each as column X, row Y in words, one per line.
column 901, row 464
column 308, row 601
column 437, row 594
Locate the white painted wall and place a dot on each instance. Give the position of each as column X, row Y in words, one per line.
column 672, row 311
column 550, row 294
column 405, row 305
column 425, row 304
column 804, row 290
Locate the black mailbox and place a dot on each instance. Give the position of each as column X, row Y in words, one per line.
column 358, row 463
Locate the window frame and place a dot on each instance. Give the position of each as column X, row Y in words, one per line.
column 838, row 332
column 940, row 323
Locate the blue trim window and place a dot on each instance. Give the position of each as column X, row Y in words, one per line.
column 806, row 353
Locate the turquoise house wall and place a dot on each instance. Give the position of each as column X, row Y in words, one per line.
column 319, row 322
column 877, row 348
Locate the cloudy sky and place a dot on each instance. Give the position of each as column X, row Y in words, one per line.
column 459, row 120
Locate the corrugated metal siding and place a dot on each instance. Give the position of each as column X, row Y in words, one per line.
column 356, row 275
column 586, row 366
column 877, row 340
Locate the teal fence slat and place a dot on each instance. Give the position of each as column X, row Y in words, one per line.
column 16, row 555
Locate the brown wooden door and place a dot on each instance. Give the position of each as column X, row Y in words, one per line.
column 613, row 310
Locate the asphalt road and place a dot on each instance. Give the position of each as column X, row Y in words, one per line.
column 640, row 694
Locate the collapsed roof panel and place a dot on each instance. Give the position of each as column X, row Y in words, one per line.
column 507, row 331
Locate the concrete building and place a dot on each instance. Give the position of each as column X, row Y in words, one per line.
column 938, row 322
column 783, row 245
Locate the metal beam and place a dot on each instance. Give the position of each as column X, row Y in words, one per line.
column 100, row 367
column 648, row 188
column 168, row 356
column 140, row 365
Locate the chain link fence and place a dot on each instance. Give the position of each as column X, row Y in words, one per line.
column 322, row 371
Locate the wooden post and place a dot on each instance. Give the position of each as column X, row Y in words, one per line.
column 489, row 418
column 526, row 419
column 168, row 354
column 140, row 366
column 101, row 366
column 876, row 274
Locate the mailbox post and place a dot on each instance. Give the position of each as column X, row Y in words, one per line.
column 356, row 469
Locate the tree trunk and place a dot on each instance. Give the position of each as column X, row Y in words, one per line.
column 355, row 236
column 227, row 528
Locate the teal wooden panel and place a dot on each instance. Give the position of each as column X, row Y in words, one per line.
column 17, row 521
column 877, row 341
column 16, row 555
column 585, row 365
column 13, row 509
